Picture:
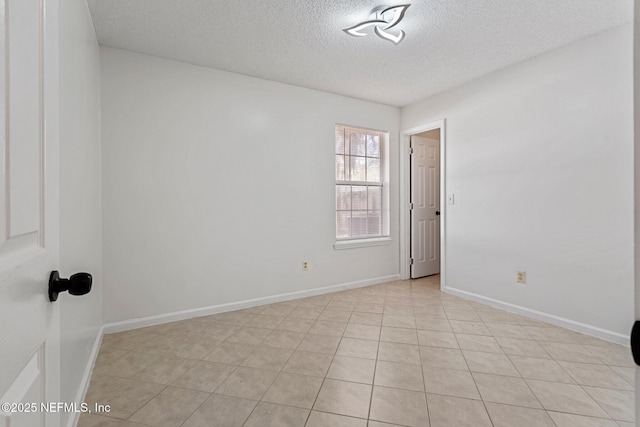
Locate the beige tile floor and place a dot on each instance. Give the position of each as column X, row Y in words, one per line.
column 400, row 353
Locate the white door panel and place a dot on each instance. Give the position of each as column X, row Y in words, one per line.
column 425, row 198
column 24, row 126
column 28, row 208
column 25, row 391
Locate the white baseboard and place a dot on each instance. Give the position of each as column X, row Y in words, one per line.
column 126, row 325
column 545, row 317
column 86, row 378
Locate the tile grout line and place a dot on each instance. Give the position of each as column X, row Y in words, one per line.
column 325, row 375
column 375, row 366
column 323, row 378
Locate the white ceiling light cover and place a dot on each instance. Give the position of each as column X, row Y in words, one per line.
column 383, row 19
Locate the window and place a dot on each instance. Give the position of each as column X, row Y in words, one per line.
column 360, row 184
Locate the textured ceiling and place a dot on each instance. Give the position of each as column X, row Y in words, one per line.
column 301, row 42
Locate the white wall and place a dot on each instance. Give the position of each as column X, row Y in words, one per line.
column 80, row 199
column 540, row 158
column 216, row 186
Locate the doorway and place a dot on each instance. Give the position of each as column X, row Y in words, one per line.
column 424, row 184
column 422, row 216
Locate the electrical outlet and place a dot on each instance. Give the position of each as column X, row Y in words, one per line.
column 521, row 276
column 305, row 265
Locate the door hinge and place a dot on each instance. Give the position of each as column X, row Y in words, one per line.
column 410, row 261
column 410, row 150
column 410, row 205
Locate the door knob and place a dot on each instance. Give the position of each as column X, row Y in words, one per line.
column 635, row 342
column 437, row 213
column 77, row 284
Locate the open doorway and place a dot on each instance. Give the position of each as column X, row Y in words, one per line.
column 422, row 202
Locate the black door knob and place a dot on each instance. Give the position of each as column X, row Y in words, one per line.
column 438, row 213
column 77, row 284
column 635, row 342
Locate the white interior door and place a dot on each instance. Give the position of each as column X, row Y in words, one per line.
column 636, row 103
column 29, row 323
column 425, row 202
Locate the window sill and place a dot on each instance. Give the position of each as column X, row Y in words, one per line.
column 361, row 243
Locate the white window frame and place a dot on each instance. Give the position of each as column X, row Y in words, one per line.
column 375, row 240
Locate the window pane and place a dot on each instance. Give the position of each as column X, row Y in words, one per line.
column 375, row 199
column 373, row 146
column 358, row 144
column 358, row 168
column 359, row 158
column 373, row 170
column 339, row 140
column 359, row 224
column 359, row 198
column 343, row 224
column 343, row 197
column 374, row 223
column 340, row 168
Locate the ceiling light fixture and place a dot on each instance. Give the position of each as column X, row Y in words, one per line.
column 382, row 18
